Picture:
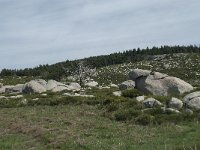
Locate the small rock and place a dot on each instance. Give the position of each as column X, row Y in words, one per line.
column 171, row 110
column 91, row 84
column 2, row 97
column 1, row 84
column 117, row 93
column 189, row 111
column 24, row 101
column 140, row 98
column 151, row 102
column 44, row 94
column 17, row 96
column 67, row 94
column 114, row 86
column 129, row 84
column 35, row 99
column 175, row 103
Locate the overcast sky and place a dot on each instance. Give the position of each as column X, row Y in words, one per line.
column 34, row 32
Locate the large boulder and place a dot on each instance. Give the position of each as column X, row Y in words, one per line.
column 136, row 73
column 192, row 100
column 51, row 84
column 175, row 103
column 74, row 86
column 33, row 87
column 129, row 84
column 159, row 84
column 41, row 81
column 60, row 88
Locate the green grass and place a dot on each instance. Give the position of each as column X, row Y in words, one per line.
column 83, row 127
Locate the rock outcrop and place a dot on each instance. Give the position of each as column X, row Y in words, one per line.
column 158, row 84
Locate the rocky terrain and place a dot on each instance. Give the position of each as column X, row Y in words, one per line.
column 160, row 93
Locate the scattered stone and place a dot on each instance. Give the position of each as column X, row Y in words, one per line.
column 89, row 96
column 35, row 99
column 189, row 111
column 78, row 95
column 2, row 97
column 91, row 84
column 140, row 98
column 44, row 94
column 104, row 87
column 67, row 94
column 114, row 86
column 171, row 110
column 3, row 88
column 192, row 100
column 16, row 97
column 175, row 103
column 117, row 93
column 129, row 84
column 24, row 101
column 151, row 102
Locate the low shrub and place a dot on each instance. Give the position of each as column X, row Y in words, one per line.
column 131, row 93
column 112, row 107
column 144, row 119
column 123, row 115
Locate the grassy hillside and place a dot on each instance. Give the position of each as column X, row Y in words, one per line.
column 105, row 121
column 184, row 66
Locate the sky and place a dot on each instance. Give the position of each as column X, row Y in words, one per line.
column 34, row 32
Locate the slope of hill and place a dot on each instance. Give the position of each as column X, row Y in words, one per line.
column 63, row 69
column 95, row 118
column 183, row 65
